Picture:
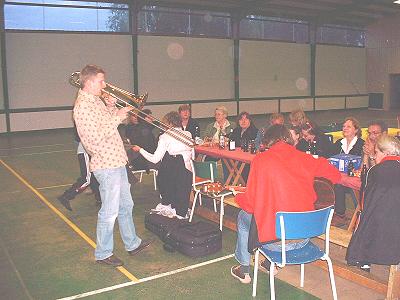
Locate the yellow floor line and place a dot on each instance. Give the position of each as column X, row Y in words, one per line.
column 64, row 218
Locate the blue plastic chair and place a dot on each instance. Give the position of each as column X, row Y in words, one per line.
column 292, row 226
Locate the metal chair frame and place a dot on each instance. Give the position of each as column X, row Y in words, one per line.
column 298, row 225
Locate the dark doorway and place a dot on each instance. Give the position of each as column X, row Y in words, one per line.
column 394, row 91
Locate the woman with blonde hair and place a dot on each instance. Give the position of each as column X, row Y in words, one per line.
column 214, row 129
column 377, row 238
column 220, row 125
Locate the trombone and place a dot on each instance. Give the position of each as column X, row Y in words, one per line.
column 125, row 98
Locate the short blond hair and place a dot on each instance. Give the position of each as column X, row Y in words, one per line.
column 88, row 72
column 223, row 109
column 388, row 145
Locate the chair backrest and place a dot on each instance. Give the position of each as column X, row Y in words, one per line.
column 301, row 225
column 325, row 193
column 205, row 169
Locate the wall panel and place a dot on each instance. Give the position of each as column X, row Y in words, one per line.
column 272, row 69
column 39, row 65
column 3, row 125
column 161, row 110
column 340, row 70
column 329, row 103
column 41, row 120
column 288, row 105
column 357, row 102
column 259, row 107
column 177, row 68
column 207, row 110
column 1, row 82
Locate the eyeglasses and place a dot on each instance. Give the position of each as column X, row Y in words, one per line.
column 374, row 132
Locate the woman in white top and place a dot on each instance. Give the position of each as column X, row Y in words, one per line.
column 351, row 143
column 175, row 173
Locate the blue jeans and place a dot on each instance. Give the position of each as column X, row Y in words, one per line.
column 116, row 203
column 242, row 254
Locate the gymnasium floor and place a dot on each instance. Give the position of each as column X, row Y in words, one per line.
column 47, row 251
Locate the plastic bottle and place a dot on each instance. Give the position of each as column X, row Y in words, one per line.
column 350, row 169
column 314, row 151
column 232, row 142
column 308, row 151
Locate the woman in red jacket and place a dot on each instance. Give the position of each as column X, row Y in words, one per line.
column 280, row 179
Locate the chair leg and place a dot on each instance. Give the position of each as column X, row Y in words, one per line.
column 215, row 205
column 255, row 274
column 141, row 176
column 272, row 280
column 200, row 200
column 221, row 214
column 193, row 205
column 332, row 277
column 155, row 180
column 302, row 275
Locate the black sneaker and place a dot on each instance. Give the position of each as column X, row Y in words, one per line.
column 143, row 245
column 65, row 202
column 111, row 261
column 243, row 278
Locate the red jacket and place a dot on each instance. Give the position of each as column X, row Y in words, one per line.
column 282, row 179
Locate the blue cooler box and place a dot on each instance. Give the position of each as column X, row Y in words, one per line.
column 341, row 161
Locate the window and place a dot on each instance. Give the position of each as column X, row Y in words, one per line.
column 187, row 22
column 66, row 15
column 339, row 35
column 264, row 28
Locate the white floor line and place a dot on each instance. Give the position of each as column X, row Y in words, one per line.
column 37, row 153
column 30, row 147
column 122, row 285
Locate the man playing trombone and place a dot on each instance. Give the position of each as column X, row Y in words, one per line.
column 97, row 119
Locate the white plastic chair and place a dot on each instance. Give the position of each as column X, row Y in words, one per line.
column 154, row 171
column 206, row 170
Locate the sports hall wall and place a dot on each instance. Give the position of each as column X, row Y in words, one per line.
column 383, row 56
column 273, row 76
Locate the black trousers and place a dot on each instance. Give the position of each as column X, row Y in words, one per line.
column 340, row 198
column 86, row 179
column 174, row 183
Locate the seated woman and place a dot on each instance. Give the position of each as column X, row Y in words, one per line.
column 351, row 143
column 214, row 129
column 221, row 125
column 377, row 238
column 245, row 130
column 174, row 178
column 140, row 132
column 295, row 132
column 274, row 119
column 188, row 123
column 297, row 117
column 311, row 134
column 280, row 179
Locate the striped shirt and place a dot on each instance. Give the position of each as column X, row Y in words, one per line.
column 97, row 127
